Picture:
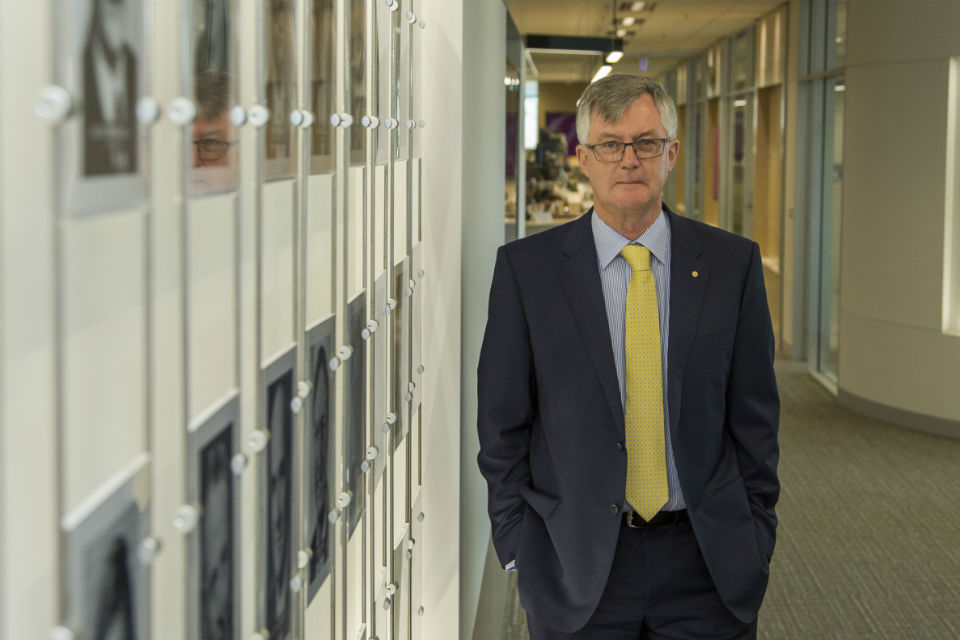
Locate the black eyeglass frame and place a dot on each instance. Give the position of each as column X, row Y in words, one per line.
column 623, row 148
column 226, row 144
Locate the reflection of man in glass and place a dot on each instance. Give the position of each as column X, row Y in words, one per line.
column 214, row 136
column 278, row 499
column 319, row 417
column 109, row 92
column 114, row 612
column 216, row 540
column 279, row 82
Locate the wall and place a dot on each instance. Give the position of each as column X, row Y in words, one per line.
column 894, row 212
column 119, row 330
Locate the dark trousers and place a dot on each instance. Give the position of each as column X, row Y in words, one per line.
column 659, row 589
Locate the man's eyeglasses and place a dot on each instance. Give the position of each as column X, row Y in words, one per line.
column 612, row 151
column 211, row 149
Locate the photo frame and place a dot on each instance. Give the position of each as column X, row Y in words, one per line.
column 357, row 41
column 279, row 87
column 277, row 513
column 356, row 399
column 323, row 37
column 401, row 360
column 214, row 547
column 318, row 475
column 106, row 584
column 101, row 62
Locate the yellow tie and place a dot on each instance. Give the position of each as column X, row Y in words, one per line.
column 646, row 452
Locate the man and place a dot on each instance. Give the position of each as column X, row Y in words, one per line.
column 215, row 163
column 628, row 409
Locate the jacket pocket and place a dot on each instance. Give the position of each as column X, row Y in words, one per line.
column 543, row 503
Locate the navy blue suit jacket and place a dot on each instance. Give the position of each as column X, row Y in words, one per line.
column 550, row 416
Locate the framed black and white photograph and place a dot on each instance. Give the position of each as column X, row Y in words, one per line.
column 356, row 399
column 214, row 546
column 358, row 78
column 323, row 37
column 106, row 584
column 401, row 351
column 101, row 64
column 318, row 477
column 214, row 152
column 277, row 496
column 380, row 375
column 280, row 87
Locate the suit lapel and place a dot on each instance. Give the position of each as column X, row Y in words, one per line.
column 688, row 282
column 580, row 276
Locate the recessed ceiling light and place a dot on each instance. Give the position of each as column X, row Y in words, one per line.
column 629, row 21
column 621, row 33
column 614, row 57
column 638, row 6
column 602, row 72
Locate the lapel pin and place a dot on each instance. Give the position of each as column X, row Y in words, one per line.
column 695, row 274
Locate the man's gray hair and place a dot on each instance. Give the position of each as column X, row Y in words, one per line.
column 609, row 98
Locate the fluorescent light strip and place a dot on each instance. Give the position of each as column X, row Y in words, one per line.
column 614, row 57
column 602, row 72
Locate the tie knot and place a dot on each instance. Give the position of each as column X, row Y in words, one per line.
column 637, row 256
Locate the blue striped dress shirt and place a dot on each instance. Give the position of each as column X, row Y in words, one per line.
column 614, row 276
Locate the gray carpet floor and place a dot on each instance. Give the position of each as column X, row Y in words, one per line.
column 869, row 538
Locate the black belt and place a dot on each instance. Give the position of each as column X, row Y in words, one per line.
column 633, row 520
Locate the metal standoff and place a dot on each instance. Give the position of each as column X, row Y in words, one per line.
column 186, row 518
column 372, row 453
column 372, row 326
column 411, row 17
column 421, row 273
column 345, row 352
column 334, row 515
column 365, row 466
column 296, row 117
column 393, row 5
column 385, row 428
column 296, row 584
column 303, row 389
column 420, row 611
column 258, row 440
column 412, row 283
column 334, row 364
column 258, row 115
column 423, row 24
column 370, row 122
column 422, row 123
column 346, row 120
column 303, row 557
column 386, row 604
column 61, row 633
column 411, row 124
column 420, row 369
column 238, row 116
column 182, row 111
column 148, row 550
column 53, row 104
column 335, row 119
column 263, row 634
column 411, row 386
column 343, row 500
column 392, row 303
column 296, row 405
column 420, row 517
column 391, row 418
column 238, row 464
column 148, row 110
column 308, row 120
column 408, row 397
column 365, row 334
column 392, row 588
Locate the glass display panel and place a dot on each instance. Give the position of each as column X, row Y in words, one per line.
column 214, row 157
column 384, row 21
column 280, row 87
column 322, row 84
column 832, row 204
column 356, row 401
column 358, row 79
column 836, row 33
column 741, row 62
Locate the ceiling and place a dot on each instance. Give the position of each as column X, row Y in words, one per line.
column 666, row 32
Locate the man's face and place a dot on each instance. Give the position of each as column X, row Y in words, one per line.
column 212, row 133
column 632, row 185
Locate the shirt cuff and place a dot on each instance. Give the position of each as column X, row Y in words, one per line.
column 511, row 566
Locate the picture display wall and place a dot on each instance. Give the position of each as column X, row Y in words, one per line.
column 294, row 470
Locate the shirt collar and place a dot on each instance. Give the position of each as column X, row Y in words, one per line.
column 610, row 243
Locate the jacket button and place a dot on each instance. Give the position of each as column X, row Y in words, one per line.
column 614, row 509
column 620, row 445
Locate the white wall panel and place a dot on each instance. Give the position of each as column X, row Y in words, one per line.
column 319, row 254
column 104, row 349
column 212, row 330
column 277, row 268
